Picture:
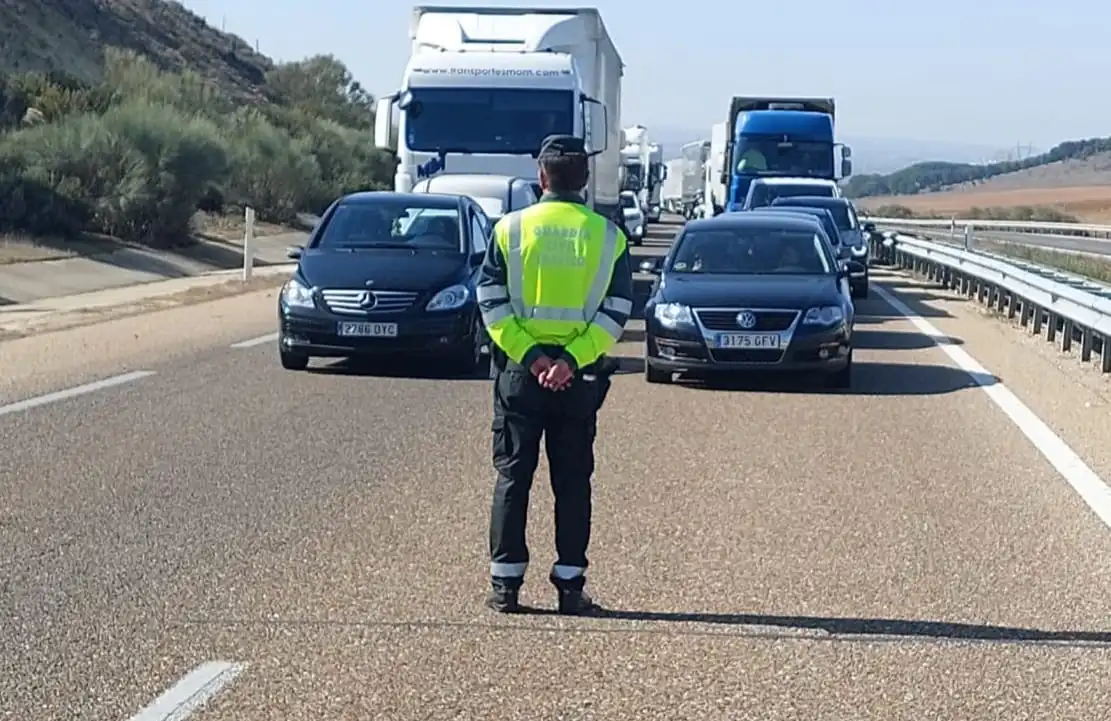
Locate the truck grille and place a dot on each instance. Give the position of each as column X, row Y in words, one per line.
column 355, row 302
column 767, row 321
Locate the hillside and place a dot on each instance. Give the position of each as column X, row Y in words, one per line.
column 1077, row 162
column 69, row 37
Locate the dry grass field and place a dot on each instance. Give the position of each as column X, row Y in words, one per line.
column 1088, row 203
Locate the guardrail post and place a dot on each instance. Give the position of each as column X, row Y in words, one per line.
column 953, row 230
column 248, row 244
column 967, row 236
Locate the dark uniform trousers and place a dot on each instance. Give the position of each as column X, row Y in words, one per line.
column 524, row 413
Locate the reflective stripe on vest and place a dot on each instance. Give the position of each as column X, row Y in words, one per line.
column 515, row 278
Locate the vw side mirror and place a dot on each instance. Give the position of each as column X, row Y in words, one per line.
column 651, row 266
column 294, row 252
column 869, row 227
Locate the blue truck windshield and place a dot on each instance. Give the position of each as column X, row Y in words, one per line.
column 483, row 120
column 761, row 155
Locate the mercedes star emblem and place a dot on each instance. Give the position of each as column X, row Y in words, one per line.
column 746, row 319
column 368, row 300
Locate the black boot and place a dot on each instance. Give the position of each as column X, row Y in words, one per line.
column 503, row 598
column 573, row 600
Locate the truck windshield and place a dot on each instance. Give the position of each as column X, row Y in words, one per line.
column 763, row 155
column 633, row 176
column 483, row 120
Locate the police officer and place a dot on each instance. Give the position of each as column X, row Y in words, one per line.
column 555, row 293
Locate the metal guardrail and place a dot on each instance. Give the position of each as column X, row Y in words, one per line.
column 1062, row 309
column 964, row 225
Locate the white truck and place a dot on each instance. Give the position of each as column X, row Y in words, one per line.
column 485, row 85
column 657, row 176
column 672, row 193
column 643, row 170
column 693, row 180
column 713, row 194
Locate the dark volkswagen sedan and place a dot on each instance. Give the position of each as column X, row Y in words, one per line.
column 748, row 292
column 388, row 273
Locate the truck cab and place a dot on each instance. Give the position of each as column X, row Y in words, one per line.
column 485, row 85
column 781, row 137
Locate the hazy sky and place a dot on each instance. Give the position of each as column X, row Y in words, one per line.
column 983, row 71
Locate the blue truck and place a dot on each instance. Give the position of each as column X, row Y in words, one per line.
column 780, row 137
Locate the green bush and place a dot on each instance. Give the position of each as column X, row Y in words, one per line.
column 136, row 155
column 271, row 170
column 136, row 172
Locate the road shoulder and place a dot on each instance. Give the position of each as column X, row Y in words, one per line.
column 1072, row 398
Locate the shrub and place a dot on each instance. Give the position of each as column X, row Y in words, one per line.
column 271, row 170
column 136, row 172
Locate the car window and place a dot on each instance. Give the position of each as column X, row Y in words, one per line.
column 628, row 201
column 391, row 224
column 478, row 233
column 751, row 251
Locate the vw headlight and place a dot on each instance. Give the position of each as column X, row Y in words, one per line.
column 823, row 315
column 638, row 230
column 859, row 251
column 451, row 298
column 296, row 295
column 673, row 315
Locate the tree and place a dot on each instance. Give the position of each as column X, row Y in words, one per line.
column 322, row 86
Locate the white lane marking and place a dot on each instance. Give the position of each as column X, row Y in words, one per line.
column 1086, row 482
column 73, row 392
column 191, row 692
column 268, row 338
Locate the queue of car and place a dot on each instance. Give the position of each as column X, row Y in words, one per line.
column 770, row 288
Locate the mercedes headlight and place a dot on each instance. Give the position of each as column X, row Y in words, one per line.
column 451, row 298
column 823, row 315
column 296, row 295
column 638, row 230
column 673, row 315
column 859, row 251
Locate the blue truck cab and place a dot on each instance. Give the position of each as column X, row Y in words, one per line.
column 780, row 137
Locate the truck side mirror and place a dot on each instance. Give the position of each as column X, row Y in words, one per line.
column 597, row 136
column 383, row 122
column 846, row 167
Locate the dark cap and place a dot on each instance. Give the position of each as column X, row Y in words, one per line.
column 556, row 146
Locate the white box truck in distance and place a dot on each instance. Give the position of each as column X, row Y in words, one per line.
column 485, row 85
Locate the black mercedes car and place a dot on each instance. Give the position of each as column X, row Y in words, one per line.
column 388, row 273
column 748, row 292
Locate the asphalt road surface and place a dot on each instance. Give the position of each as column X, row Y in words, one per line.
column 898, row 551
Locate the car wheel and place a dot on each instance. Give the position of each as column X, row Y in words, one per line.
column 293, row 361
column 842, row 379
column 655, row 375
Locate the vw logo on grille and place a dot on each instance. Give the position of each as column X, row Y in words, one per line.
column 368, row 300
column 746, row 319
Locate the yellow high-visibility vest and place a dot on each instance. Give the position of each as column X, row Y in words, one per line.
column 560, row 259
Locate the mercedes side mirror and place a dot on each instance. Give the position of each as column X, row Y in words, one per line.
column 294, row 252
column 869, row 227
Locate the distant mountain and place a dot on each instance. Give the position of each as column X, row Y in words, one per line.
column 870, row 155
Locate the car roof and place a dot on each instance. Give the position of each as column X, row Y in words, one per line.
column 754, row 219
column 487, row 185
column 420, row 200
column 805, row 209
column 811, row 200
column 794, row 181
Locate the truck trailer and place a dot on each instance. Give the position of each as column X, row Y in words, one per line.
column 485, row 85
